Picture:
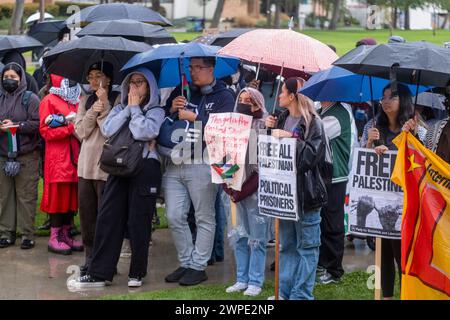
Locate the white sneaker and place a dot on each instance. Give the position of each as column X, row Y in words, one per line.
column 273, row 298
column 237, row 287
column 86, row 282
column 134, row 282
column 252, row 291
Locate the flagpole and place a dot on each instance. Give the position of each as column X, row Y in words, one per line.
column 378, row 268
column 277, row 258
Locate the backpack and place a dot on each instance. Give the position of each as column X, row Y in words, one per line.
column 122, row 154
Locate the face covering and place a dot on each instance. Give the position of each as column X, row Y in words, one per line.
column 246, row 109
column 10, row 85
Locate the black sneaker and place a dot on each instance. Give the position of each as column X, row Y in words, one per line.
column 83, row 270
column 27, row 244
column 86, row 281
column 176, row 275
column 193, row 277
column 5, row 242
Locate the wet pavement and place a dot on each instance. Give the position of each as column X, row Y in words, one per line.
column 38, row 274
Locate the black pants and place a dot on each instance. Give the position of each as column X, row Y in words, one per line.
column 390, row 255
column 333, row 231
column 89, row 199
column 127, row 203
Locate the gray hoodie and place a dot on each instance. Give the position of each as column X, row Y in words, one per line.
column 11, row 108
column 145, row 123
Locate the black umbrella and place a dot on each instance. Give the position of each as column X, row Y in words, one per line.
column 72, row 59
column 414, row 62
column 224, row 38
column 115, row 11
column 129, row 29
column 19, row 43
column 221, row 39
column 47, row 32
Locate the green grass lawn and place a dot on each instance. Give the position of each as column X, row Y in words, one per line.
column 345, row 40
column 352, row 287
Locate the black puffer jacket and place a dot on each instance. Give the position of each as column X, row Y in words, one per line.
column 311, row 189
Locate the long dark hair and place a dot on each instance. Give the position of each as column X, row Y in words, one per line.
column 14, row 67
column 405, row 111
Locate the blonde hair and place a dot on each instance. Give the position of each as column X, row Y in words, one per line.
column 305, row 105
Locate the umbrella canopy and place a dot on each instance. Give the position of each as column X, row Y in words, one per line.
column 224, row 38
column 19, row 43
column 418, row 62
column 115, row 11
column 164, row 62
column 274, row 48
column 337, row 84
column 36, row 16
column 129, row 29
column 47, row 32
column 431, row 100
column 62, row 59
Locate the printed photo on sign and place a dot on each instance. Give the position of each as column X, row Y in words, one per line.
column 375, row 202
column 277, row 192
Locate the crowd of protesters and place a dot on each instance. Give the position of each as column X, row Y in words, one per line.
column 73, row 125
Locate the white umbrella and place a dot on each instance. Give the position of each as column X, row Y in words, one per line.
column 431, row 100
column 35, row 17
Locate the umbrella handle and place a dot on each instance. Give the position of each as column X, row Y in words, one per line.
column 417, row 91
column 278, row 90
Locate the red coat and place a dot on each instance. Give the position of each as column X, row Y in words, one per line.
column 61, row 145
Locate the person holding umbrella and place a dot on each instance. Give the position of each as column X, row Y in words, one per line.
column 19, row 157
column 191, row 179
column 128, row 202
column 59, row 199
column 92, row 113
column 300, row 240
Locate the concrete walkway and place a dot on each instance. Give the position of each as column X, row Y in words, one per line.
column 37, row 274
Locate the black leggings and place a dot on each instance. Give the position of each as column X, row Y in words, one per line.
column 390, row 255
column 57, row 220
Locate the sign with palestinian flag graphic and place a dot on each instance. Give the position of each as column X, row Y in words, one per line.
column 227, row 137
column 425, row 179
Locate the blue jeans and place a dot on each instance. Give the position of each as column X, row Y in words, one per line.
column 249, row 239
column 218, row 248
column 299, row 255
column 182, row 184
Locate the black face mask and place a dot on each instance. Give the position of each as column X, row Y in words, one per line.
column 246, row 109
column 10, row 85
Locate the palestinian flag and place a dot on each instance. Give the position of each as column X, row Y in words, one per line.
column 225, row 169
column 425, row 179
column 185, row 87
column 12, row 139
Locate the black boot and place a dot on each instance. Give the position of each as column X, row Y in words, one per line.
column 45, row 225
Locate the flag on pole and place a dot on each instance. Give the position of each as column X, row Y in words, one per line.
column 425, row 179
column 12, row 139
column 185, row 86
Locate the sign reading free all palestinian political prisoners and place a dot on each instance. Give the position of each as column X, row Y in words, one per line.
column 376, row 202
column 277, row 193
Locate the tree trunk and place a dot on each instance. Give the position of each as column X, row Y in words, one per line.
column 269, row 13
column 407, row 26
column 277, row 14
column 17, row 16
column 394, row 18
column 217, row 14
column 156, row 5
column 335, row 17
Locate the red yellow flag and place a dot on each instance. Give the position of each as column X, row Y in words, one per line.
column 425, row 179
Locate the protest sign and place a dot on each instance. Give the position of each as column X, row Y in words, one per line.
column 376, row 202
column 227, row 136
column 277, row 193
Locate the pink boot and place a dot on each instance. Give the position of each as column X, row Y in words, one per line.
column 71, row 242
column 55, row 243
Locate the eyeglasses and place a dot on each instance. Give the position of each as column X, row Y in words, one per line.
column 386, row 99
column 97, row 78
column 137, row 83
column 197, row 68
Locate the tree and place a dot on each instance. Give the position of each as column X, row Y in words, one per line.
column 336, row 14
column 16, row 21
column 217, row 14
column 156, row 5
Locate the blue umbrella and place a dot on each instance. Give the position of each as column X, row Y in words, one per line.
column 165, row 62
column 338, row 84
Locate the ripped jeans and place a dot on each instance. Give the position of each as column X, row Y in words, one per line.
column 248, row 239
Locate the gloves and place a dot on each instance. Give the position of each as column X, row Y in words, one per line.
column 55, row 120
